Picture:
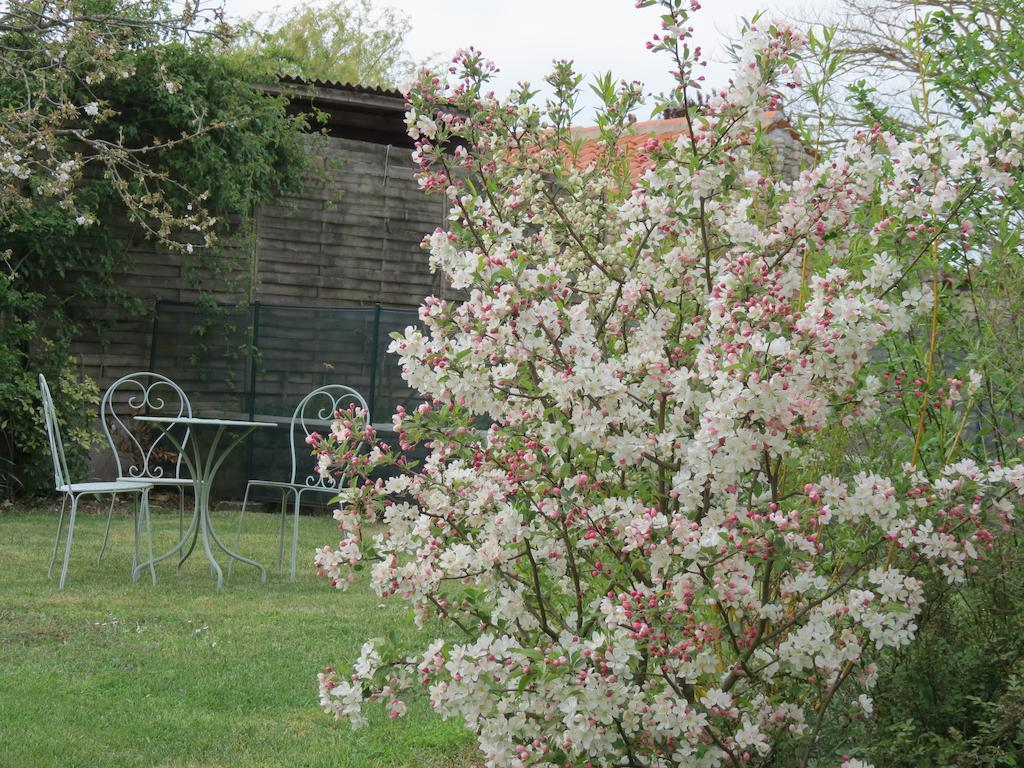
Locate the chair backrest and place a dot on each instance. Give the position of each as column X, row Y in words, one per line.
column 313, row 410
column 136, row 451
column 61, row 476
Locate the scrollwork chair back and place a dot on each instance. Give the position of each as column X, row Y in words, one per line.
column 135, row 451
column 319, row 406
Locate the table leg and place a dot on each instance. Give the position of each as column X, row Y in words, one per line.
column 193, row 532
column 212, row 534
column 190, row 533
column 236, row 556
column 207, row 529
column 197, row 513
column 203, row 470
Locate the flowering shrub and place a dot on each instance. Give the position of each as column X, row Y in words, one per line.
column 648, row 566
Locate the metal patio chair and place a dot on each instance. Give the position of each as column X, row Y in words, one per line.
column 75, row 491
column 136, row 452
column 313, row 412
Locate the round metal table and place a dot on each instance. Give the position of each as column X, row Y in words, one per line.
column 203, row 468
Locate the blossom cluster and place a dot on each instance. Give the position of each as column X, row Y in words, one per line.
column 621, row 506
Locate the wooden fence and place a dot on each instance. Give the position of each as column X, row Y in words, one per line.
column 351, row 238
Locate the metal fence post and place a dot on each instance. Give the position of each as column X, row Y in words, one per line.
column 373, row 359
column 153, row 336
column 253, row 342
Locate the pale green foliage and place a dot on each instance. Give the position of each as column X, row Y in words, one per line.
column 954, row 698
column 347, row 41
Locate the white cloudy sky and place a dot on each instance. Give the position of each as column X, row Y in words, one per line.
column 523, row 36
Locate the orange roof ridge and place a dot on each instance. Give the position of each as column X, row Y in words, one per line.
column 634, row 143
column 658, row 126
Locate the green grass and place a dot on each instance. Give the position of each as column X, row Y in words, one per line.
column 114, row 673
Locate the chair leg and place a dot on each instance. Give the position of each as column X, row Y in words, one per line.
column 295, row 535
column 149, row 534
column 67, row 543
column 56, row 542
column 238, row 531
column 181, row 512
column 280, row 538
column 106, row 531
column 137, row 527
column 183, row 553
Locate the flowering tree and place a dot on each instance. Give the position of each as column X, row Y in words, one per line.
column 647, row 558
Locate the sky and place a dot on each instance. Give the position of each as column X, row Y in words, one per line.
column 524, row 36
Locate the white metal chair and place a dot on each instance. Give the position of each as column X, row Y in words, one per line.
column 136, row 455
column 75, row 491
column 314, row 411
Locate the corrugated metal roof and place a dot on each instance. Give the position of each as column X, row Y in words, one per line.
column 370, row 90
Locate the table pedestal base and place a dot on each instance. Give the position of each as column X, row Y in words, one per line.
column 203, row 470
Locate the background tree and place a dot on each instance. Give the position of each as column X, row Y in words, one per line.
column 970, row 53
column 346, row 41
column 60, row 59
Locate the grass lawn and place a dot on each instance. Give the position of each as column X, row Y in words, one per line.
column 114, row 673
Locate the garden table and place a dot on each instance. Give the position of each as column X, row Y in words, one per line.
column 203, row 469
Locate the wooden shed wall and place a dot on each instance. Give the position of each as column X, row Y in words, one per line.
column 350, row 238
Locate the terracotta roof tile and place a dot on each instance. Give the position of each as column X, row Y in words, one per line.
column 635, row 145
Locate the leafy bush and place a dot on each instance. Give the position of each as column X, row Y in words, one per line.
column 25, row 466
column 954, row 697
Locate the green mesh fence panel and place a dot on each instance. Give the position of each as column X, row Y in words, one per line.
column 259, row 361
